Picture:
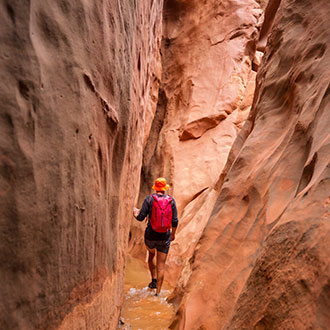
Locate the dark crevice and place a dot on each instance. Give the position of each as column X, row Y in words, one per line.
column 307, row 174
column 23, row 89
column 89, row 83
column 139, row 63
column 111, row 114
column 10, row 12
column 149, row 154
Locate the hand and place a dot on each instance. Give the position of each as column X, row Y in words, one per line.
column 135, row 212
column 173, row 233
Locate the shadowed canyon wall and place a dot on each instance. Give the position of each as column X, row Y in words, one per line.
column 76, row 77
column 99, row 99
column 263, row 259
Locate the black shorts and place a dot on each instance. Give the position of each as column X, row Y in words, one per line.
column 161, row 246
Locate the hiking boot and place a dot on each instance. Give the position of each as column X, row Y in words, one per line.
column 153, row 284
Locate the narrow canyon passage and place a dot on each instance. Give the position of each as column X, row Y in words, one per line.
column 141, row 310
column 228, row 100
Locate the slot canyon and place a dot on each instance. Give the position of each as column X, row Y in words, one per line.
column 229, row 100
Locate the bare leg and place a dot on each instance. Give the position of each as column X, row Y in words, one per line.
column 161, row 259
column 151, row 264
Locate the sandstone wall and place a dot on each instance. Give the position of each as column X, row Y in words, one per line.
column 205, row 96
column 263, row 259
column 77, row 82
column 207, row 50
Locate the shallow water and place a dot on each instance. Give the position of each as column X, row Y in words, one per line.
column 141, row 309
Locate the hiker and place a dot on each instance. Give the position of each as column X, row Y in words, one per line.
column 162, row 215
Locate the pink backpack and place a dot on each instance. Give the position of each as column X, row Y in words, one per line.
column 161, row 213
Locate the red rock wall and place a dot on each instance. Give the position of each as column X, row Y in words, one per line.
column 205, row 96
column 263, row 260
column 207, row 50
column 75, row 80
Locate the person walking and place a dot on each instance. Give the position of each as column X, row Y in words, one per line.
column 162, row 217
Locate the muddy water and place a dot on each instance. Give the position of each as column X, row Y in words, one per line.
column 141, row 309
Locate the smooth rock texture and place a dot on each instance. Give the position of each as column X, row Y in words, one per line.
column 207, row 52
column 77, row 82
column 263, row 259
column 210, row 94
column 192, row 224
column 99, row 99
column 205, row 96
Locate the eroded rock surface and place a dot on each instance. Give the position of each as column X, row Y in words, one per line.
column 207, row 67
column 76, row 78
column 205, row 96
column 263, row 260
column 86, row 102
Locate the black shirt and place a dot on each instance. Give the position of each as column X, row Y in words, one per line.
column 146, row 208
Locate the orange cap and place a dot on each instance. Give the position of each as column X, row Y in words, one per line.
column 160, row 185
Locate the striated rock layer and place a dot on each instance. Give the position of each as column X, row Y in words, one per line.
column 263, row 261
column 76, row 77
column 205, row 96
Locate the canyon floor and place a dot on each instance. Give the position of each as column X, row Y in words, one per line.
column 141, row 309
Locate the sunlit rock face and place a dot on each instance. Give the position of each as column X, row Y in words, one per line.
column 207, row 50
column 205, row 96
column 76, row 78
column 263, row 259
